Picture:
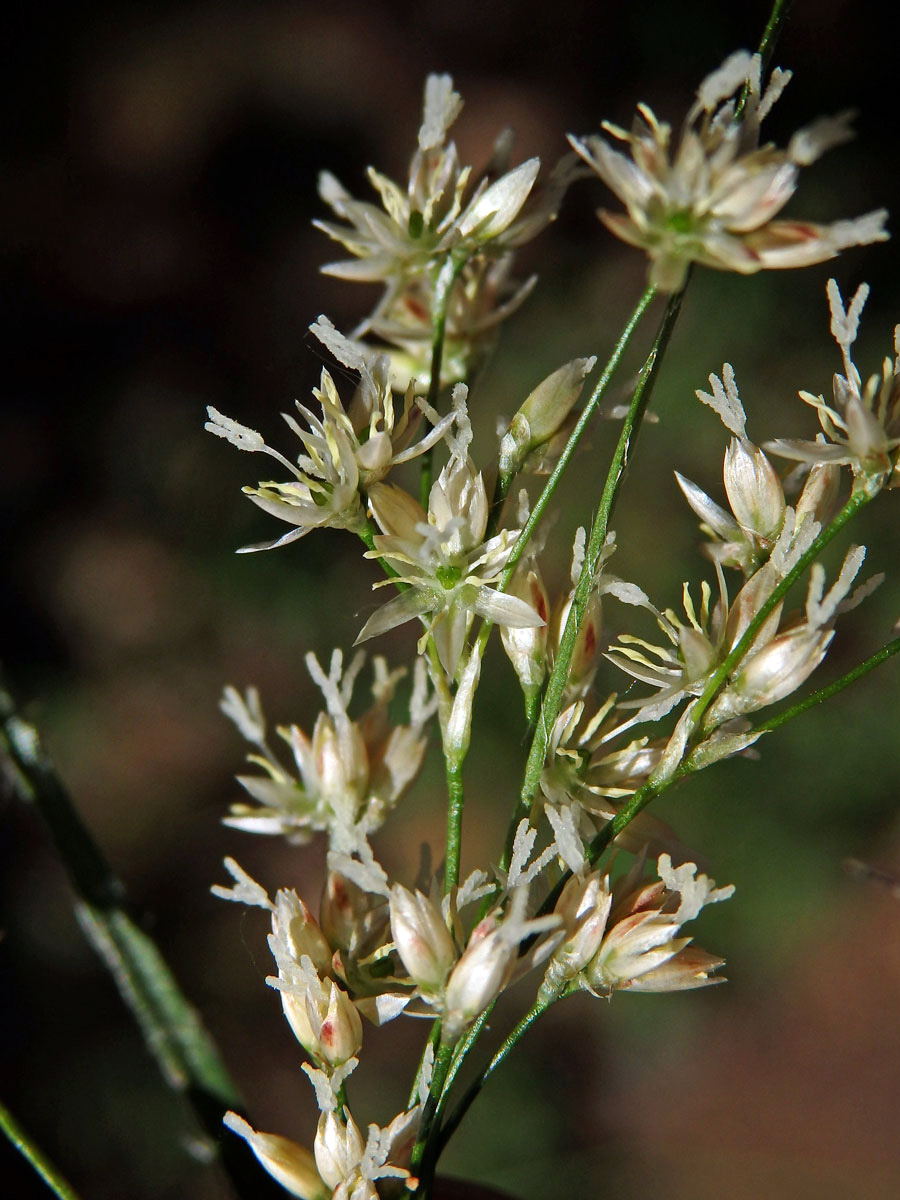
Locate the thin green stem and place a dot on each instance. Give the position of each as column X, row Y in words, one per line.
column 36, row 1157
column 443, row 291
column 819, row 697
column 767, row 43
column 556, row 684
column 442, row 1060
column 471, row 1093
column 462, row 1048
column 454, row 822
column 587, row 413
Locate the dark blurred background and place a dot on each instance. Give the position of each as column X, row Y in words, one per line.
column 160, row 179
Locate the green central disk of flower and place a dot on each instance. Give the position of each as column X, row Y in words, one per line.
column 449, row 576
column 682, row 220
column 416, row 224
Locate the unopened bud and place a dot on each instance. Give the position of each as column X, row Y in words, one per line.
column 338, row 1148
column 689, row 968
column 337, row 1027
column 779, row 668
column 584, row 907
column 478, row 978
column 586, row 653
column 422, row 939
column 634, row 946
column 297, row 931
column 291, row 1165
column 344, row 910
column 341, row 762
column 543, row 413
column 754, row 489
column 819, row 494
column 527, row 648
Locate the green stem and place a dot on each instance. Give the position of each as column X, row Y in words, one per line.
column 587, row 413
column 36, row 1157
column 621, row 457
column 418, row 1164
column 173, row 1031
column 767, row 43
column 454, row 765
column 449, row 1127
column 874, row 660
column 543, row 501
column 443, row 290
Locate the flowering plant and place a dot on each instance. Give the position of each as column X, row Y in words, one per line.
column 588, row 892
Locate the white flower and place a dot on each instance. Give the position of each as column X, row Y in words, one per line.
column 443, row 560
column 422, row 224
column 490, row 961
column 712, row 199
column 350, row 773
column 584, row 781
column 746, row 537
column 641, row 950
column 422, row 939
column 863, row 424
column 345, row 451
column 584, row 908
column 353, row 1167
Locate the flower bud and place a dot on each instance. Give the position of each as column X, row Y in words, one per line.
column 422, row 939
column 345, row 910
column 584, row 907
column 780, row 667
column 866, row 437
column 296, row 931
column 341, row 761
column 754, row 489
column 478, row 978
column 689, row 968
column 498, row 205
column 338, row 1147
column 335, row 1023
column 543, row 413
column 634, row 946
column 586, row 653
column 526, row 648
column 819, row 493
column 291, row 1165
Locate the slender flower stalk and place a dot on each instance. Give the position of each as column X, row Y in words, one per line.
column 621, row 456
column 50, row 1174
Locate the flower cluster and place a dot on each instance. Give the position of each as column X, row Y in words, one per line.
column 863, row 426
column 764, row 537
column 443, row 221
column 345, row 452
column 350, row 774
column 624, row 936
column 713, row 199
column 463, row 546
column 442, row 557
